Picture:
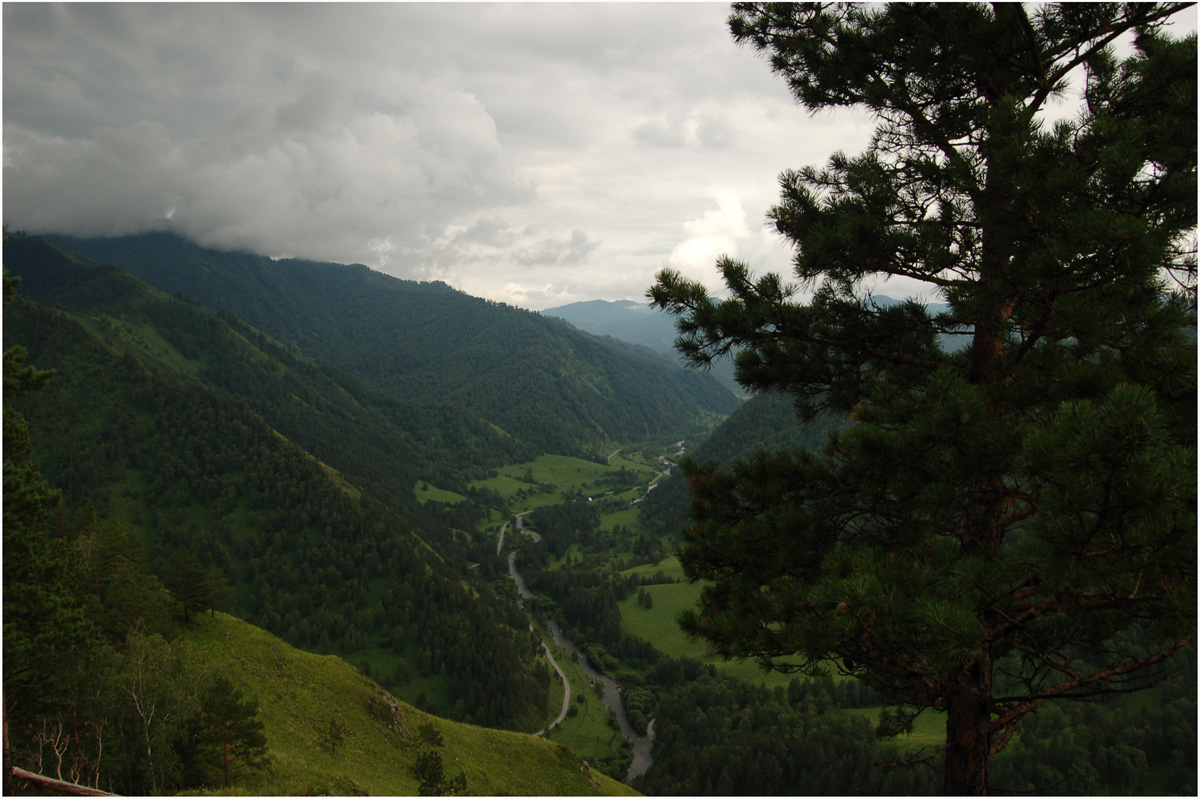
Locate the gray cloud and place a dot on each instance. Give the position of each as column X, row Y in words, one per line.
column 425, row 140
column 570, row 251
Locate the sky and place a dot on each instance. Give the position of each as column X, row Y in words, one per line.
column 534, row 154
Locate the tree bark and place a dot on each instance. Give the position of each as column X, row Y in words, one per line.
column 968, row 731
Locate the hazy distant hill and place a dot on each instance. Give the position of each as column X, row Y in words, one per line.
column 624, row 319
column 638, row 324
column 538, row 379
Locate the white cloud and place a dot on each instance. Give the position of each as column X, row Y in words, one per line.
column 718, row 232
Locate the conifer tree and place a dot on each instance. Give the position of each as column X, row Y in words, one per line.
column 190, row 583
column 1003, row 523
column 232, row 728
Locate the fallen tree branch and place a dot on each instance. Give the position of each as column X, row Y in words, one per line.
column 58, row 786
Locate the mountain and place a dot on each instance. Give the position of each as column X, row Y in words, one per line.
column 635, row 323
column 763, row 422
column 290, row 477
column 639, row 324
column 623, row 319
column 536, row 378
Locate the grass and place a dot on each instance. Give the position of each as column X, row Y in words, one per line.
column 587, row 732
column 553, row 476
column 431, row 493
column 929, row 729
column 658, row 624
column 300, row 692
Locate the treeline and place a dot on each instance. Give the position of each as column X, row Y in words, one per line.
column 720, row 736
column 315, row 560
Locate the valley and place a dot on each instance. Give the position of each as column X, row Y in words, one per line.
column 501, row 566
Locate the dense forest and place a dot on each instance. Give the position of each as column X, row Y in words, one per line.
column 341, row 561
column 537, row 378
column 724, row 737
column 94, row 691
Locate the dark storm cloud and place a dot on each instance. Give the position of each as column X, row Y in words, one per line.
column 426, row 140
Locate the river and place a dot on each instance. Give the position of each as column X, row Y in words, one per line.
column 610, row 691
column 611, row 697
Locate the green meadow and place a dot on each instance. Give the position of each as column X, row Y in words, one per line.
column 300, row 693
column 659, row 624
column 425, row 492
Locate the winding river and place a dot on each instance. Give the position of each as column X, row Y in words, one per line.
column 610, row 692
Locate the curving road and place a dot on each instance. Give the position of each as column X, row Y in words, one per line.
column 566, row 690
column 611, row 695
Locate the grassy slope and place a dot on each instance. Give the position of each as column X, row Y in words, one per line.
column 299, row 693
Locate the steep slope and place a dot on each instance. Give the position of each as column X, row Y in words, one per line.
column 637, row 324
column 764, row 422
column 538, row 379
column 382, row 442
column 623, row 319
column 300, row 693
column 143, row 421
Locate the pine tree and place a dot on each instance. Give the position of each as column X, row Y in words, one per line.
column 1005, row 523
column 190, row 583
column 233, row 730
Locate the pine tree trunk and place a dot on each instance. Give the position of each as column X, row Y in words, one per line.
column 968, row 719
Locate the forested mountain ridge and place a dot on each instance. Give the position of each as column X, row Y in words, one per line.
column 383, row 442
column 201, row 434
column 538, row 379
column 623, row 319
column 628, row 321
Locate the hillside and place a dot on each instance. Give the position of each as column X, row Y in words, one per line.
column 300, row 693
column 287, row 477
column 540, row 380
column 636, row 323
column 763, row 422
column 623, row 319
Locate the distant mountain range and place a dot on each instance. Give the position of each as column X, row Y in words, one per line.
column 535, row 378
column 641, row 324
column 635, row 323
column 627, row 320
